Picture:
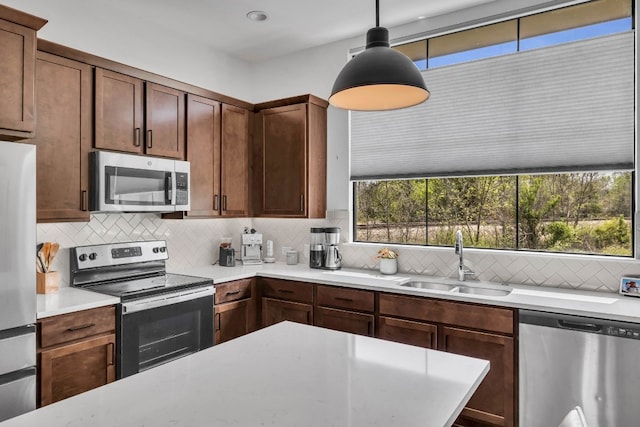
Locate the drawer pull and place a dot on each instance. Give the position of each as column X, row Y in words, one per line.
column 343, row 299
column 217, row 321
column 285, row 291
column 232, row 293
column 81, row 327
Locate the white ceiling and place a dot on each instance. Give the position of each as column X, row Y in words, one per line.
column 292, row 25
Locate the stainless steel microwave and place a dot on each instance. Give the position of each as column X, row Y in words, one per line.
column 130, row 183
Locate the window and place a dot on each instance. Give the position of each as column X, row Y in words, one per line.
column 416, row 51
column 483, row 42
column 532, row 151
column 569, row 212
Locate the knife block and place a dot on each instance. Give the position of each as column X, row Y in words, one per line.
column 47, row 283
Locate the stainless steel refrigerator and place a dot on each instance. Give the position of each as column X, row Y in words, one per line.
column 17, row 279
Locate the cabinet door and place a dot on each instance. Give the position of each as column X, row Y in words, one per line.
column 164, row 121
column 17, row 80
column 235, row 161
column 283, row 143
column 203, row 151
column 118, row 112
column 75, row 368
column 407, row 332
column 276, row 311
column 493, row 402
column 63, row 138
column 345, row 321
column 233, row 319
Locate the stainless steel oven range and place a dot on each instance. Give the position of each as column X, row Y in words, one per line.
column 161, row 316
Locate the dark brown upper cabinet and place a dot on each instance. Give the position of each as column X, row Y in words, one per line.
column 17, row 73
column 290, row 158
column 121, row 111
column 63, row 138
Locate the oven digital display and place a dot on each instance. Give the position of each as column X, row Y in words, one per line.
column 126, row 252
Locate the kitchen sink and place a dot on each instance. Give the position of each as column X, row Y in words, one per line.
column 430, row 285
column 462, row 289
column 484, row 291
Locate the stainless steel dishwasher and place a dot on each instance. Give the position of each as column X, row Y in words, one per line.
column 568, row 361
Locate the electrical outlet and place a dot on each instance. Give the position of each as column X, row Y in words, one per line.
column 285, row 249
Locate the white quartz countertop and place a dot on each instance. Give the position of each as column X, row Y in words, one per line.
column 559, row 300
column 68, row 300
column 284, row 375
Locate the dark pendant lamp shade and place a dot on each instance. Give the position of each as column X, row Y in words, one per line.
column 380, row 78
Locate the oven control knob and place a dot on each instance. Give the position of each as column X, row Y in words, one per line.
column 163, row 249
column 93, row 256
column 82, row 257
column 156, row 250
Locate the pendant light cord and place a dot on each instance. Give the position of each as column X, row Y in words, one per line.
column 377, row 13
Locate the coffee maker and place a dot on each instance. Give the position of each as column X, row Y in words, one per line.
column 332, row 256
column 251, row 247
column 227, row 256
column 323, row 250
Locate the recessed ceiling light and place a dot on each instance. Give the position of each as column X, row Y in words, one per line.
column 257, row 15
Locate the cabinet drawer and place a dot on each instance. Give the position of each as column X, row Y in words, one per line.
column 493, row 319
column 287, row 290
column 351, row 299
column 233, row 291
column 74, row 326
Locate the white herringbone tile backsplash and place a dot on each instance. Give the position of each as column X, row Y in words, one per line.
column 194, row 243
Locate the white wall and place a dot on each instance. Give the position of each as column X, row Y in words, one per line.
column 96, row 28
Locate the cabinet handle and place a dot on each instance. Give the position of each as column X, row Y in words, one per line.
column 136, row 140
column 285, row 291
column 149, row 138
column 79, row 328
column 232, row 293
column 224, row 203
column 111, row 355
column 302, row 203
column 343, row 299
column 369, row 328
column 215, row 202
column 85, row 200
column 217, row 321
column 308, row 317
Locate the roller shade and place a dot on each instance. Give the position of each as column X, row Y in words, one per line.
column 560, row 108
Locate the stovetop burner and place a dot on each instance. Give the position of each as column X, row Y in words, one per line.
column 140, row 288
column 128, row 270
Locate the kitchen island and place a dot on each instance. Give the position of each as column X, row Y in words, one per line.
column 285, row 375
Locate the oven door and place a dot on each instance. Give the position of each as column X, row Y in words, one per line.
column 126, row 183
column 156, row 330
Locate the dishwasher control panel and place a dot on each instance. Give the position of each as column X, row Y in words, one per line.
column 623, row 332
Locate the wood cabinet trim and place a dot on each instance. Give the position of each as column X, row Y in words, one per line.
column 301, row 99
column 22, row 18
column 107, row 64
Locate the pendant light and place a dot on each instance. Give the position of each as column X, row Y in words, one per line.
column 380, row 78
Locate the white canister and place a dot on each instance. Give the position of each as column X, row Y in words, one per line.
column 292, row 257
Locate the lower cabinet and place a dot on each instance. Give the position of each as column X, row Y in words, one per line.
column 234, row 310
column 493, row 403
column 345, row 309
column 462, row 328
column 286, row 300
column 76, row 353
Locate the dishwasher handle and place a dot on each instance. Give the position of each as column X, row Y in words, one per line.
column 579, row 326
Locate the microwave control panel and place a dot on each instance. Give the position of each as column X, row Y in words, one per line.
column 182, row 188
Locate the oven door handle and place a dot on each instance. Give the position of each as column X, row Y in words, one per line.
column 166, row 299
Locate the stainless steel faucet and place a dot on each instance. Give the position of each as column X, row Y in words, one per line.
column 463, row 271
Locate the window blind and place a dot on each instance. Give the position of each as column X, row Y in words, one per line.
column 568, row 107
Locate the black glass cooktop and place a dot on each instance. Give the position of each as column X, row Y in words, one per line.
column 140, row 288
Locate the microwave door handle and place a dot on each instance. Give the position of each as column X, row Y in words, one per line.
column 169, row 188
